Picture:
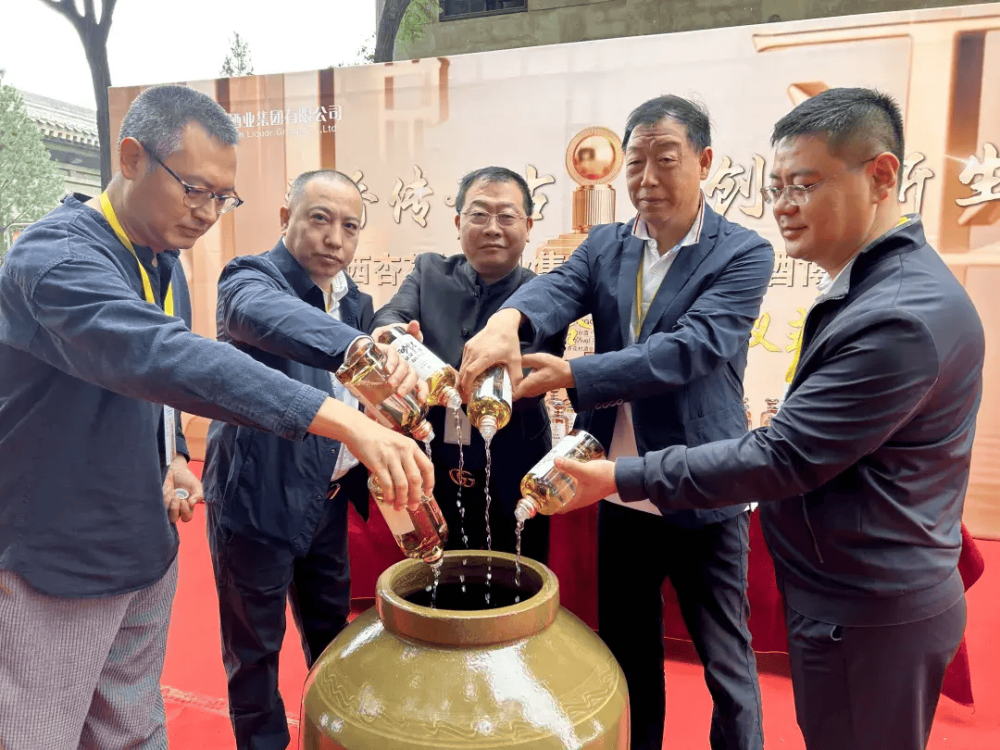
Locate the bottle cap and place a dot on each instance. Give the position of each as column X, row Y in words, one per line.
column 453, row 398
column 434, row 556
column 423, row 431
column 181, row 494
column 525, row 509
column 488, row 427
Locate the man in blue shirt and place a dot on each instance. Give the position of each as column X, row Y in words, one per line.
column 277, row 508
column 90, row 348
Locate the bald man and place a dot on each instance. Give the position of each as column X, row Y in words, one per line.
column 277, row 509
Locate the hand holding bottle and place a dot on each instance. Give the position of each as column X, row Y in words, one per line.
column 497, row 343
column 403, row 470
column 595, row 480
column 403, row 377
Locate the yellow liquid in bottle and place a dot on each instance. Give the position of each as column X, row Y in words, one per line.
column 364, row 373
column 545, row 488
column 441, row 378
column 489, row 408
column 421, row 533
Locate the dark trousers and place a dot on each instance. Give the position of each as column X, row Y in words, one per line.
column 707, row 567
column 505, row 484
column 870, row 688
column 253, row 578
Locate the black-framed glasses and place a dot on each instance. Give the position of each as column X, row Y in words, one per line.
column 196, row 197
column 798, row 195
column 481, row 218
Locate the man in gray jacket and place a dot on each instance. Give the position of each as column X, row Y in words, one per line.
column 862, row 474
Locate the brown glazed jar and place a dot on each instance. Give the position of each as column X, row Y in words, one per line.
column 403, row 676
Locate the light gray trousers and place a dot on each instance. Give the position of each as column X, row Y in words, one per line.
column 83, row 673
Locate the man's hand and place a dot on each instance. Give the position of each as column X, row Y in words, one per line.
column 595, row 480
column 496, row 343
column 412, row 328
column 548, row 373
column 403, row 471
column 403, row 377
column 179, row 477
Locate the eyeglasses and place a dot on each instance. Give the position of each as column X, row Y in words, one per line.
column 798, row 195
column 196, row 197
column 482, row 218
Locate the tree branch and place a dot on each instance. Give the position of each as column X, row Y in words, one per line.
column 107, row 9
column 88, row 11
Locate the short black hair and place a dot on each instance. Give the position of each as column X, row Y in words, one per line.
column 694, row 117
column 494, row 174
column 847, row 117
column 158, row 115
column 299, row 184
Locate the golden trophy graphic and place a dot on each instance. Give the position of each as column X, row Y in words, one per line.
column 594, row 158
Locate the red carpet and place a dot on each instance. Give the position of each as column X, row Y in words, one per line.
column 194, row 679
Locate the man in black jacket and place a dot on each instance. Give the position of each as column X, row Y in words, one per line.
column 277, row 509
column 451, row 299
column 862, row 473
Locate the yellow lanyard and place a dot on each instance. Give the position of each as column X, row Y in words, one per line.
column 639, row 314
column 147, row 287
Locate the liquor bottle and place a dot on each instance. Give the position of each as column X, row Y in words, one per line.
column 544, row 488
column 746, row 408
column 420, row 532
column 489, row 408
column 770, row 412
column 441, row 378
column 366, row 375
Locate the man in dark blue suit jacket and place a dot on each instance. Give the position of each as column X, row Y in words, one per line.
column 666, row 371
column 277, row 509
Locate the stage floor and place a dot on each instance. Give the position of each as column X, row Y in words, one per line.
column 194, row 682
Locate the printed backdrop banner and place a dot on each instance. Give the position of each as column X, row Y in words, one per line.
column 407, row 132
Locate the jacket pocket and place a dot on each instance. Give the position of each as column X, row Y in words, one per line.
column 729, row 422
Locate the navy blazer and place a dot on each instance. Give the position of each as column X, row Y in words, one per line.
column 684, row 374
column 265, row 486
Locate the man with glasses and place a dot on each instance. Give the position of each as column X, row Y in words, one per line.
column 674, row 294
column 862, row 474
column 450, row 299
column 94, row 339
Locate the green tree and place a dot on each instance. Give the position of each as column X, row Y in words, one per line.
column 30, row 183
column 418, row 14
column 237, row 62
column 402, row 21
column 93, row 33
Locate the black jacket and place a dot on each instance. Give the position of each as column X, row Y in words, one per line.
column 447, row 298
column 862, row 474
column 268, row 487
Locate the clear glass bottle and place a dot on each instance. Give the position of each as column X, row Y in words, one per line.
column 489, row 407
column 545, row 489
column 365, row 374
column 770, row 412
column 441, row 378
column 421, row 532
column 746, row 408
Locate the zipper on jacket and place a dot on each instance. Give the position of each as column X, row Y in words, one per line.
column 805, row 515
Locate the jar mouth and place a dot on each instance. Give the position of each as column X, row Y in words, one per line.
column 401, row 588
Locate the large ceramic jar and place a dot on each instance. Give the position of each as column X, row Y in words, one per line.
column 404, row 676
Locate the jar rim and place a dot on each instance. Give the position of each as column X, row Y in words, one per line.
column 483, row 627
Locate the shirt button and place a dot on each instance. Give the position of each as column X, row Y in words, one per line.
column 465, row 333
